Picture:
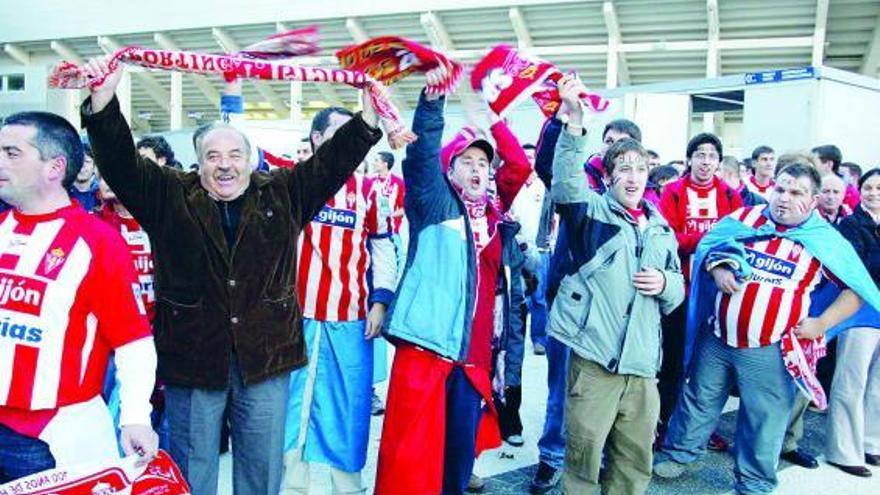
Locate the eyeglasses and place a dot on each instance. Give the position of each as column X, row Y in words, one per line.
column 701, row 155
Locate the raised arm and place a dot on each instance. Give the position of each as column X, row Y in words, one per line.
column 140, row 185
column 422, row 171
column 516, row 167
column 568, row 184
column 546, row 149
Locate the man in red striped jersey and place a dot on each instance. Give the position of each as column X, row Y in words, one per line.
column 741, row 344
column 761, row 182
column 66, row 302
column 692, row 205
column 328, row 415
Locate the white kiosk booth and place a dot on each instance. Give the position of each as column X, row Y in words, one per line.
column 787, row 109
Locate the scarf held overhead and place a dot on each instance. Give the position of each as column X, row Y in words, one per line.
column 505, row 78
column 71, row 76
column 389, row 59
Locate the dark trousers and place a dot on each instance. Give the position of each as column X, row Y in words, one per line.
column 509, row 420
column 672, row 369
column 21, row 456
column 463, row 411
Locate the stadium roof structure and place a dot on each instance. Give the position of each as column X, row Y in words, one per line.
column 609, row 43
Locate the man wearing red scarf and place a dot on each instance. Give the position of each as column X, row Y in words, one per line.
column 442, row 318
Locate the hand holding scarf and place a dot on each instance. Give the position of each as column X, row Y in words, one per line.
column 71, row 76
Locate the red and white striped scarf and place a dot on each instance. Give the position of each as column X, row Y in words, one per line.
column 72, row 76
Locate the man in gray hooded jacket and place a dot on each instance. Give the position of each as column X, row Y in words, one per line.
column 626, row 273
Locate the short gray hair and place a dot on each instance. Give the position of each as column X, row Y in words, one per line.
column 203, row 130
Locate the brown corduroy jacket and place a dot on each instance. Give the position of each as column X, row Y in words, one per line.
column 214, row 302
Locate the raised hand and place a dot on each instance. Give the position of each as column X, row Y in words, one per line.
column 98, row 68
column 570, row 91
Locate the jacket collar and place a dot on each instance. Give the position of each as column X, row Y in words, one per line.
column 865, row 219
column 209, row 215
column 651, row 212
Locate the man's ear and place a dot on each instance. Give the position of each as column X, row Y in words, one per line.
column 57, row 169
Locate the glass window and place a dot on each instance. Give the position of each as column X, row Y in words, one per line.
column 15, row 82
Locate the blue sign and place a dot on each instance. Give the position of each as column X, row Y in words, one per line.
column 782, row 75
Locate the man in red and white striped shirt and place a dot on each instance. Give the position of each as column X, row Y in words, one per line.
column 761, row 182
column 692, row 205
column 67, row 300
column 777, row 296
column 387, row 190
column 749, row 319
column 330, row 400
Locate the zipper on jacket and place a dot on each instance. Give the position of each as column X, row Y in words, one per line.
column 615, row 362
column 226, row 214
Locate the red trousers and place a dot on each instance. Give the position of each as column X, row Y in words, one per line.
column 421, row 407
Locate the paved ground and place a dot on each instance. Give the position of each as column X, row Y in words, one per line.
column 508, row 470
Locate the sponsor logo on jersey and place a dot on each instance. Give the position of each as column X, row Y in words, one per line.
column 770, row 264
column 143, row 263
column 137, row 291
column 21, row 294
column 337, row 217
column 15, row 330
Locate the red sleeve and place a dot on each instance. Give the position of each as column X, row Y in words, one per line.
column 670, row 207
column 118, row 307
column 736, row 201
column 516, row 167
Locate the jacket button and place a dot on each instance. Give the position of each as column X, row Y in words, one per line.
column 234, row 320
column 269, row 213
column 231, row 283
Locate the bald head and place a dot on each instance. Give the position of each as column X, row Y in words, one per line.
column 202, row 133
column 831, row 193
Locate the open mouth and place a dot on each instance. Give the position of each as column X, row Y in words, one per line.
column 475, row 182
column 225, row 179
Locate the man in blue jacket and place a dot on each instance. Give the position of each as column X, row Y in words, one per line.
column 442, row 318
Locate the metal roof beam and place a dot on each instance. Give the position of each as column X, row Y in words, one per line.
column 713, row 55
column 356, row 30
column 618, row 70
column 871, row 62
column 20, row 56
column 200, row 81
column 819, row 32
column 520, row 28
column 436, row 31
column 66, row 52
column 150, row 83
column 230, row 46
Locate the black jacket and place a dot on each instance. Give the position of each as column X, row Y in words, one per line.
column 864, row 234
column 214, row 300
